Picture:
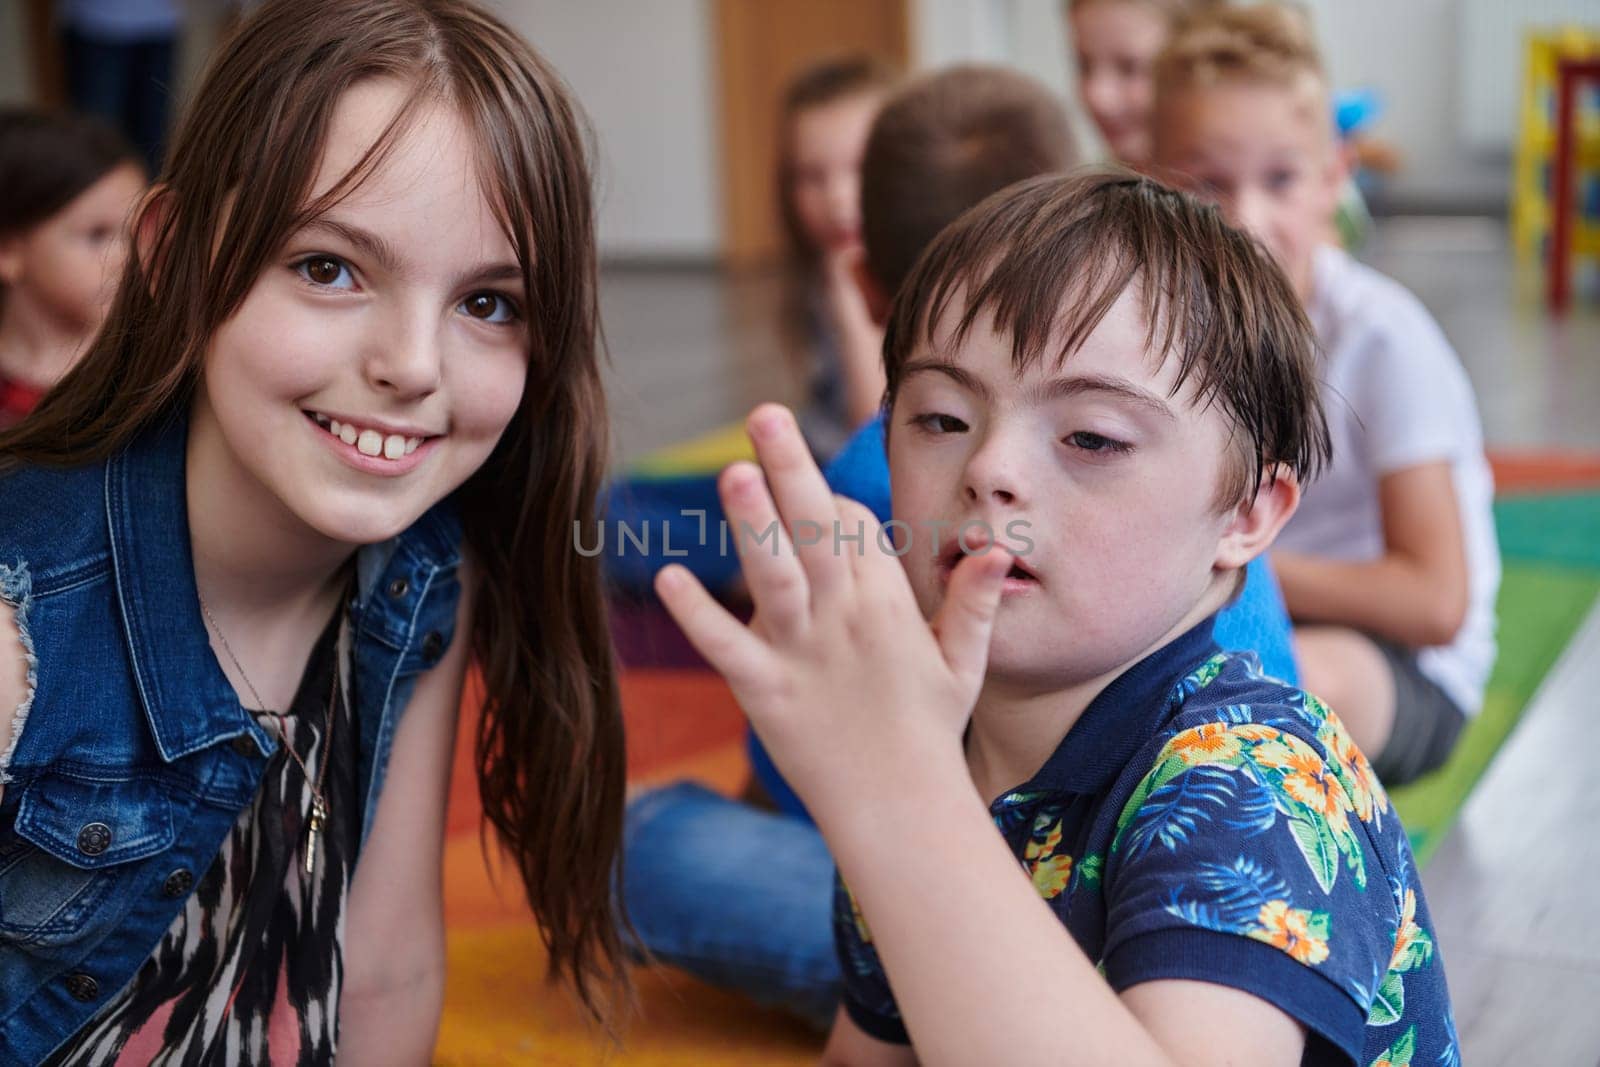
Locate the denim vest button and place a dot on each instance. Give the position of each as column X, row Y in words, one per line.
column 432, row 645
column 82, row 987
column 177, row 883
column 244, row 745
column 399, row 588
column 94, row 839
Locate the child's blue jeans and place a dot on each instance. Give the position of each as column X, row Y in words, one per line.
column 739, row 897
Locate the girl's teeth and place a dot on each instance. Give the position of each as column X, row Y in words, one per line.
column 371, row 442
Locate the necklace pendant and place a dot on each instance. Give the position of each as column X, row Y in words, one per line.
column 319, row 812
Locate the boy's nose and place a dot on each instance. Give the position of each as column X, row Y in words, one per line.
column 992, row 475
column 1247, row 209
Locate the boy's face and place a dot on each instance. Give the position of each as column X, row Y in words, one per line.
column 1115, row 44
column 1111, row 478
column 1265, row 154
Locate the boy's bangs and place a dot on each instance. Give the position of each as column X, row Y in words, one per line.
column 1043, row 288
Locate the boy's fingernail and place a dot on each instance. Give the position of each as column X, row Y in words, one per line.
column 765, row 424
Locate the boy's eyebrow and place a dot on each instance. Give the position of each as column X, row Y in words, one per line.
column 388, row 257
column 964, row 378
column 1054, row 389
column 1122, row 389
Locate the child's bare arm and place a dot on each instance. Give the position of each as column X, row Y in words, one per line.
column 394, row 942
column 860, row 338
column 1416, row 593
column 862, row 705
column 13, row 678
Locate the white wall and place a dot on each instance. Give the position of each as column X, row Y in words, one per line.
column 1410, row 52
column 644, row 73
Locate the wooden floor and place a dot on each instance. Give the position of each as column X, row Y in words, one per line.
column 1515, row 889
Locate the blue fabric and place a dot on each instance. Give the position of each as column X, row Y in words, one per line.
column 122, row 20
column 1202, row 821
column 736, row 896
column 125, row 82
column 135, row 758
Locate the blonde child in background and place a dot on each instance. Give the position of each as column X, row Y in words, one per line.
column 827, row 115
column 1115, row 44
column 1390, row 566
column 67, row 185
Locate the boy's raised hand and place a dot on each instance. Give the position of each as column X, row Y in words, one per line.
column 838, row 671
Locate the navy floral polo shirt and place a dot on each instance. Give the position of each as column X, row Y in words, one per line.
column 1203, row 821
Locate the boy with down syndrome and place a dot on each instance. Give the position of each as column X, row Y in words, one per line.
column 1107, row 361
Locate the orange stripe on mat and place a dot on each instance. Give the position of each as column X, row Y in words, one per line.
column 1518, row 472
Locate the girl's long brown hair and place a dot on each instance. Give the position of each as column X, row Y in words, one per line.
column 549, row 745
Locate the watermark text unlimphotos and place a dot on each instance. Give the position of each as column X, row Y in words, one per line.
column 897, row 537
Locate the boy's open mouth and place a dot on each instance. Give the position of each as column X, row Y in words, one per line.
column 370, row 440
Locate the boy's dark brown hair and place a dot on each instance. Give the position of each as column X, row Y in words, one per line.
column 549, row 746
column 1049, row 257
column 942, row 144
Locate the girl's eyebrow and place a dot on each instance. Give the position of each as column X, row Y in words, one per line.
column 388, row 257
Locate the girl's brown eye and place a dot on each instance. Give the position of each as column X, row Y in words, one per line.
column 481, row 306
column 323, row 271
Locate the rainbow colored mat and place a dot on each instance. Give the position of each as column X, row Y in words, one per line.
column 683, row 723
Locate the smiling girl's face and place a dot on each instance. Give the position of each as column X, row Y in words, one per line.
column 382, row 352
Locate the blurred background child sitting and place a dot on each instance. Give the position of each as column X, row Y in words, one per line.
column 67, row 186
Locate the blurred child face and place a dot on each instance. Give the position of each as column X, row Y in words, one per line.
column 1112, row 478
column 1116, row 45
column 827, row 143
column 377, row 359
column 1265, row 154
column 68, row 266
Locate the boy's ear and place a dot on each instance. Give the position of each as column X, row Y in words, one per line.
column 872, row 293
column 149, row 218
column 1256, row 522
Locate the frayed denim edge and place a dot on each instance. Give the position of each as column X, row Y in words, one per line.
column 16, row 589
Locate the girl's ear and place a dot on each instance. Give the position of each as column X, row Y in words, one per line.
column 1256, row 522
column 149, row 218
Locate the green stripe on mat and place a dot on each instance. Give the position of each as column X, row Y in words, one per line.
column 1550, row 545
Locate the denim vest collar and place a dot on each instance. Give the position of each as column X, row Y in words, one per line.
column 147, row 512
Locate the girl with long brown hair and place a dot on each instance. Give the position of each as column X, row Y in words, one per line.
column 329, row 447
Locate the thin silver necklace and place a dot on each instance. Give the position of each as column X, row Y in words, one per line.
column 319, row 802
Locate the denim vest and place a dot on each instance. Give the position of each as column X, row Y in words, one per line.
column 135, row 757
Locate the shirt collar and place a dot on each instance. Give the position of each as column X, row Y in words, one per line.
column 1125, row 715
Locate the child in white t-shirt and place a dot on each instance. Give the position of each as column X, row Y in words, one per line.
column 1390, row 567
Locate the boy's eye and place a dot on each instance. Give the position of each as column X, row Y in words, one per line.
column 325, row 271
column 489, row 307
column 1086, row 441
column 1279, row 180
column 939, row 423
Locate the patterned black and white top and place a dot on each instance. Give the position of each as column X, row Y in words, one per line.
column 250, row 971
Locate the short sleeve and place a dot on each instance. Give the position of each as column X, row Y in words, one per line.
column 1242, row 859
column 867, row 997
column 1408, row 389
